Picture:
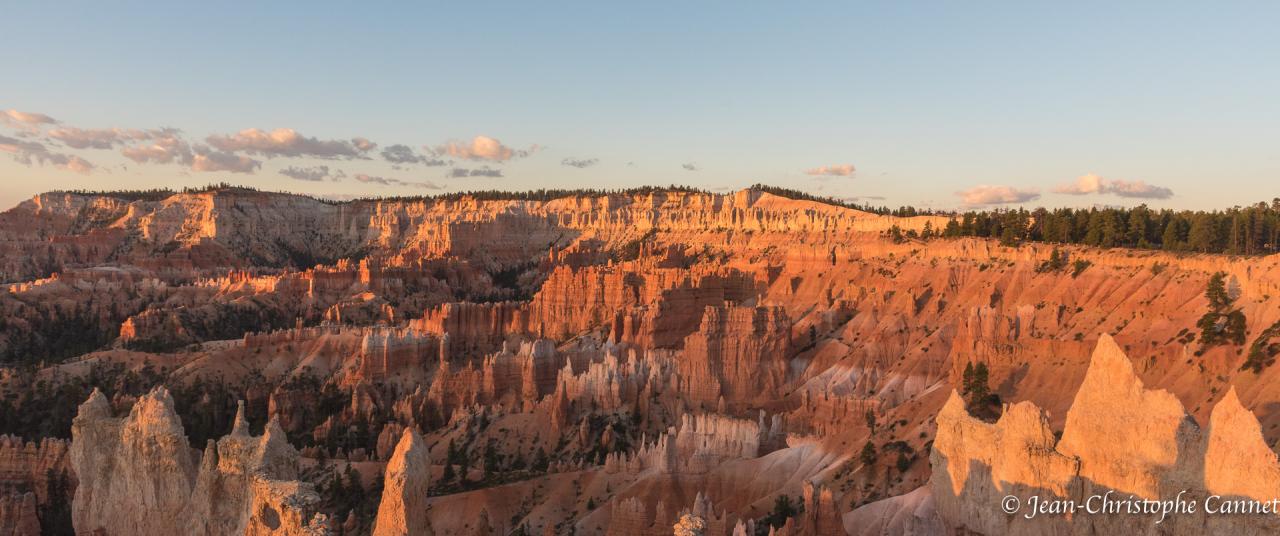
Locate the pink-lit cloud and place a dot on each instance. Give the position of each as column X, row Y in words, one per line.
column 289, row 143
column 208, row 160
column 984, row 195
column 162, row 150
column 482, row 148
column 15, row 118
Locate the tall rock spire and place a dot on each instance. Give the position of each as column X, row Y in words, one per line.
column 403, row 510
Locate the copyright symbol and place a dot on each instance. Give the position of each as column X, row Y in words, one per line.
column 1010, row 504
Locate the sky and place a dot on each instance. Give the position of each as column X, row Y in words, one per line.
column 931, row 104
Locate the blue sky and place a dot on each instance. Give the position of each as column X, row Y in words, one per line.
column 1173, row 104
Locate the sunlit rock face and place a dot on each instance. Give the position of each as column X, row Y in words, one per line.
column 403, row 509
column 1120, row 438
column 600, row 364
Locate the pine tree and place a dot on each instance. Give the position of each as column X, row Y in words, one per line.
column 1171, row 240
column 540, row 461
column 903, row 462
column 868, row 454
column 1139, row 223
column 1203, row 234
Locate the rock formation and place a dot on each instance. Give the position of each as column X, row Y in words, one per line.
column 18, row 515
column 403, row 510
column 1119, row 438
column 137, row 476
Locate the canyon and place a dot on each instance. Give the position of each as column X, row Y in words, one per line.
column 656, row 361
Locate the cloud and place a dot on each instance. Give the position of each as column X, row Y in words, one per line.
column 403, row 154
column 370, row 179
column 1084, row 184
column 1140, row 189
column 481, row 172
column 76, row 164
column 482, row 148
column 104, row 138
column 30, row 152
column 312, row 174
column 862, row 198
column 162, row 150
column 1093, row 184
column 20, row 148
column 996, row 195
column 580, row 162
column 25, row 119
column 207, row 160
column 841, row 170
column 689, row 167
column 287, row 142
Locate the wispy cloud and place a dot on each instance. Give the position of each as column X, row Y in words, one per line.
column 209, row 160
column 104, row 138
column 161, row 150
column 288, row 142
column 690, row 166
column 580, row 162
column 984, row 195
column 373, row 179
column 841, row 170
column 311, row 174
column 1093, row 184
column 480, row 172
column 25, row 120
column 30, row 152
column 403, row 154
